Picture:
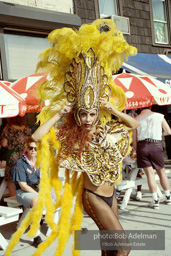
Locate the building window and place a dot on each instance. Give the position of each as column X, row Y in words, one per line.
column 160, row 21
column 22, row 54
column 108, row 8
column 23, row 32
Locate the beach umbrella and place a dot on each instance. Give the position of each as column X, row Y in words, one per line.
column 143, row 91
column 11, row 103
column 26, row 87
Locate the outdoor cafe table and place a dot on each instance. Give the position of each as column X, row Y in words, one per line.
column 7, row 215
column 130, row 180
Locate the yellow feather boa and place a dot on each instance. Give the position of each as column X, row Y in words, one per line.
column 68, row 221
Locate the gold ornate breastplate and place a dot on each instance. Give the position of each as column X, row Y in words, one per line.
column 102, row 158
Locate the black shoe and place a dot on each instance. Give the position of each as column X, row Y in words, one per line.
column 37, row 241
column 154, row 204
column 168, row 200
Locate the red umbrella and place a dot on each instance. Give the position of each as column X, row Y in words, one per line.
column 26, row 87
column 143, row 91
column 6, row 82
column 11, row 104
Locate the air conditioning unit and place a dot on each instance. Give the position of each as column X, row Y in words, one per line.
column 122, row 23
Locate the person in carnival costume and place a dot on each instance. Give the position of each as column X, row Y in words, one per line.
column 86, row 141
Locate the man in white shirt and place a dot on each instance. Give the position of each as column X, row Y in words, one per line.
column 150, row 155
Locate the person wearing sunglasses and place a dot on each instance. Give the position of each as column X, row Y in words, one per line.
column 27, row 178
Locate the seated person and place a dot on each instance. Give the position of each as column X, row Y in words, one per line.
column 27, row 178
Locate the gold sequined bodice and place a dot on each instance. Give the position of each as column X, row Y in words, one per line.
column 102, row 158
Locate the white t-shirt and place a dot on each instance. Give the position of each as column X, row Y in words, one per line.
column 150, row 125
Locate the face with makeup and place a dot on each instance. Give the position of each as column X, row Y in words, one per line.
column 87, row 118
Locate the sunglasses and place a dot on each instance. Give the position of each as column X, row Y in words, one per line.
column 31, row 148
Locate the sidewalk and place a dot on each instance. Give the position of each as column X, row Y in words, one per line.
column 137, row 216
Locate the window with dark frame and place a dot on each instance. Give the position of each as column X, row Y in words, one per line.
column 160, row 22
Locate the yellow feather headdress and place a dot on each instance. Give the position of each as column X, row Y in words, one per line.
column 110, row 49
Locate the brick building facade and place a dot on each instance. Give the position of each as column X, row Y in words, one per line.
column 139, row 13
column 42, row 16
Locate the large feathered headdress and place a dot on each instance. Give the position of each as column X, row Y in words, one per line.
column 80, row 65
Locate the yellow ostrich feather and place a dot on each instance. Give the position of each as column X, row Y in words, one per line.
column 44, row 187
column 110, row 48
column 16, row 236
column 64, row 225
column 77, row 216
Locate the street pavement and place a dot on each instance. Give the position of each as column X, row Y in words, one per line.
column 137, row 216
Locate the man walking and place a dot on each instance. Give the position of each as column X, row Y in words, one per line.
column 150, row 155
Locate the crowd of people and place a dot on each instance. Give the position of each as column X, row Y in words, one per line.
column 87, row 141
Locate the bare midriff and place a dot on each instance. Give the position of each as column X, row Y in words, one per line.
column 103, row 190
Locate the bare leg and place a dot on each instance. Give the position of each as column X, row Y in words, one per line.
column 149, row 171
column 33, row 201
column 106, row 218
column 11, row 188
column 164, row 181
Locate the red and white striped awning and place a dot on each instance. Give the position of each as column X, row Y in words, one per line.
column 11, row 103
